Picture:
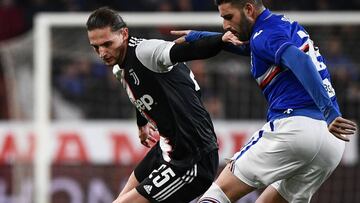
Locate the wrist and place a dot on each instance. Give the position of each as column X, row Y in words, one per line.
column 196, row 35
column 331, row 114
column 141, row 125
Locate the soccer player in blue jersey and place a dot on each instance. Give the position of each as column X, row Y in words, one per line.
column 303, row 141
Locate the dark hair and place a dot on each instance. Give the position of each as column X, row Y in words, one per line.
column 241, row 3
column 105, row 17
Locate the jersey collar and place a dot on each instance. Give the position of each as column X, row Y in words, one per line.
column 266, row 14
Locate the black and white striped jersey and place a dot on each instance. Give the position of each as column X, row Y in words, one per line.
column 168, row 96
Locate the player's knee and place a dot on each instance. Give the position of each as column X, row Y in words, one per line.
column 119, row 199
column 214, row 194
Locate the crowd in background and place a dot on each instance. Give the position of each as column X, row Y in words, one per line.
column 228, row 89
column 16, row 16
column 90, row 91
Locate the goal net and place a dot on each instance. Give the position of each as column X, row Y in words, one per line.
column 77, row 115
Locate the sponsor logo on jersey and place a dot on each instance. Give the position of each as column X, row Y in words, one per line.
column 148, row 188
column 141, row 104
column 288, row 111
column 257, row 33
column 144, row 102
column 134, row 76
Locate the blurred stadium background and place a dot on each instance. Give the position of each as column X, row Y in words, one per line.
column 91, row 140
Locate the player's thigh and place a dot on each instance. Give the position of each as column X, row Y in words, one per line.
column 264, row 159
column 301, row 187
column 277, row 151
column 142, row 170
column 171, row 184
column 207, row 170
column 231, row 185
column 165, row 182
column 270, row 195
column 305, row 182
column 130, row 184
column 132, row 196
column 189, row 192
column 150, row 162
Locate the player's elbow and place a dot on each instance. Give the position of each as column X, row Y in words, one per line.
column 295, row 58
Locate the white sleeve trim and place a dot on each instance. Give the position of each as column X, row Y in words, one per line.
column 154, row 54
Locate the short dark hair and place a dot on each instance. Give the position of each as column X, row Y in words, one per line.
column 105, row 17
column 258, row 3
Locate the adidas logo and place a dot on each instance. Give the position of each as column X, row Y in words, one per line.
column 148, row 188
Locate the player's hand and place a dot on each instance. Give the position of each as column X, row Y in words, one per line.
column 231, row 38
column 181, row 34
column 148, row 135
column 341, row 128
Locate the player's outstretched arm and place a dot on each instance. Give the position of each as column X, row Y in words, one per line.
column 191, row 35
column 232, row 43
column 181, row 34
column 341, row 128
column 200, row 49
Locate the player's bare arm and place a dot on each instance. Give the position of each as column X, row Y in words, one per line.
column 341, row 128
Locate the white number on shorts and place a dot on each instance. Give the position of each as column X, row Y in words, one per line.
column 162, row 178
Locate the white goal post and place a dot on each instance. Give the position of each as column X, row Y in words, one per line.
column 42, row 60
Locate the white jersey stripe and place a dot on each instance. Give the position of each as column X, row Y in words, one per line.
column 195, row 170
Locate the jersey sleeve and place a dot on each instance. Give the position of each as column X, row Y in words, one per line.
column 197, row 35
column 270, row 44
column 305, row 71
column 200, row 49
column 140, row 120
column 155, row 54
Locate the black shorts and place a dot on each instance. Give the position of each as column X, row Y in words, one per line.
column 163, row 182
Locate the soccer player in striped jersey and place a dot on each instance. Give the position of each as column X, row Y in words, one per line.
column 303, row 141
column 183, row 164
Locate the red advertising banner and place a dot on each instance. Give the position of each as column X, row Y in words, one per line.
column 92, row 160
column 115, row 142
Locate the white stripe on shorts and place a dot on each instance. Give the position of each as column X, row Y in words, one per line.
column 177, row 184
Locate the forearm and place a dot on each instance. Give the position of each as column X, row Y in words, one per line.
column 240, row 50
column 305, row 71
column 199, row 49
column 243, row 50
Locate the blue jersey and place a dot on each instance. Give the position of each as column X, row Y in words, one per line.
column 286, row 96
column 293, row 85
